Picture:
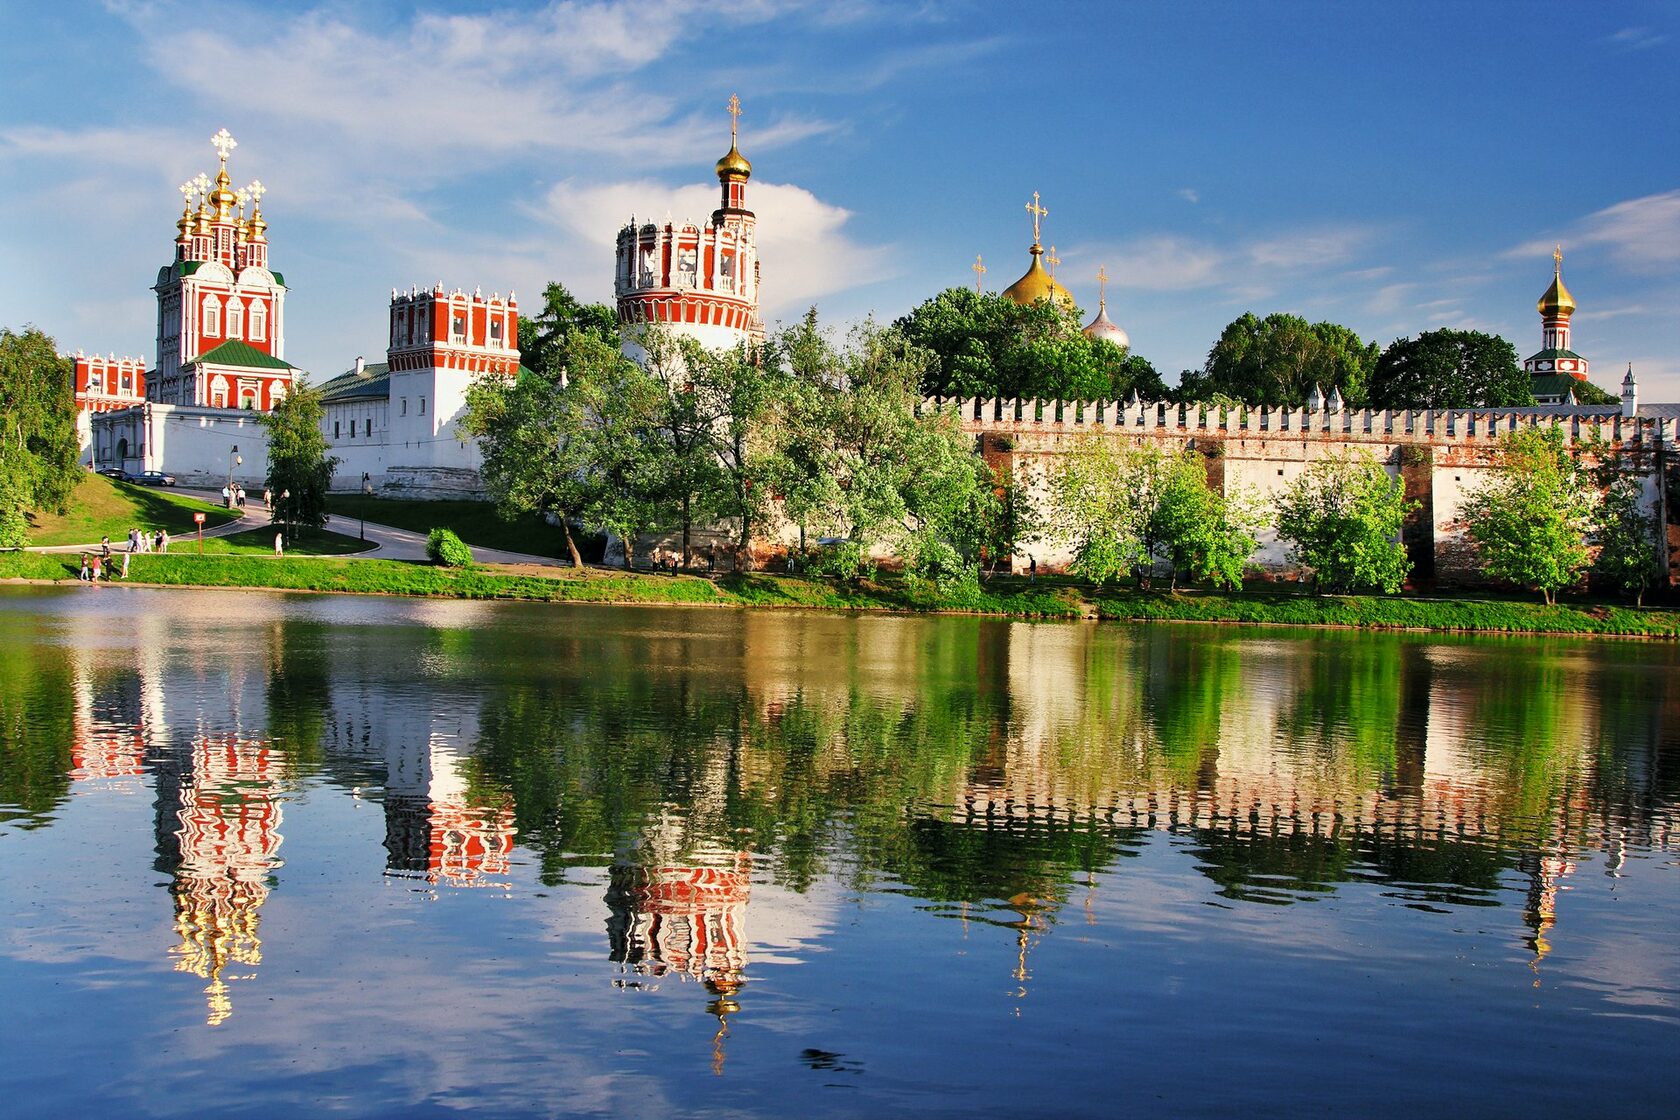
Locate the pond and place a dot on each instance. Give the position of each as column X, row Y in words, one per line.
column 290, row 855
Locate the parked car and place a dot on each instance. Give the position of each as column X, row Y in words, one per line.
column 152, row 478
column 114, row 472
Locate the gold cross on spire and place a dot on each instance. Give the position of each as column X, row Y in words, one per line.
column 223, row 143
column 734, row 118
column 979, row 269
column 1557, row 260
column 1037, row 212
column 1052, row 260
column 1102, row 286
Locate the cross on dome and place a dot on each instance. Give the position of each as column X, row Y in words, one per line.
column 256, row 190
column 1052, row 260
column 1557, row 259
column 1037, row 212
column 224, row 143
column 979, row 269
column 1102, row 287
column 734, row 118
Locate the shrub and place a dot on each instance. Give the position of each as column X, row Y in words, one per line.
column 841, row 559
column 445, row 548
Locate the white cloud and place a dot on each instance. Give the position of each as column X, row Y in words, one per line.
column 1167, row 262
column 1189, row 194
column 1636, row 39
column 1642, row 234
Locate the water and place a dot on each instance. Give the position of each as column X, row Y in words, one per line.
column 291, row 855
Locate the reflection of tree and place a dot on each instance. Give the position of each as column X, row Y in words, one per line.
column 37, row 730
column 1188, row 683
column 1345, row 709
column 299, row 690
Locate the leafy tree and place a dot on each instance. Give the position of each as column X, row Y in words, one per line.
column 1343, row 518
column 38, row 467
column 1276, row 361
column 1449, row 369
column 445, row 548
column 851, row 457
column 535, row 446
column 746, row 391
column 1626, row 535
column 1125, row 508
column 297, row 457
column 542, row 337
column 1529, row 522
column 629, row 460
column 989, row 346
column 1588, row 393
column 685, row 421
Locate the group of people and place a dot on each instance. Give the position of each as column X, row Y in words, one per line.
column 99, row 565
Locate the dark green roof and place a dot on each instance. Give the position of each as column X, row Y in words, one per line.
column 241, row 354
column 1554, row 355
column 373, row 382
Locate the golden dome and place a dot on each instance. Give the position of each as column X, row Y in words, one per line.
column 1557, row 303
column 222, row 198
column 734, row 164
column 1038, row 284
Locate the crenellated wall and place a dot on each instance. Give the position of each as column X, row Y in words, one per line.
column 1440, row 454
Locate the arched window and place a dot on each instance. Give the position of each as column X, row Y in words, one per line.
column 235, row 319
column 218, row 392
column 259, row 321
column 212, row 317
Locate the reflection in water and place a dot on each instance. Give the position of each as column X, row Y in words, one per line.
column 992, row 772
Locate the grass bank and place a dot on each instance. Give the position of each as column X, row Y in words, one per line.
column 477, row 523
column 260, row 542
column 100, row 507
column 1010, row 598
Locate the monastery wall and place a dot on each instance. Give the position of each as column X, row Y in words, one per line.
column 1441, row 454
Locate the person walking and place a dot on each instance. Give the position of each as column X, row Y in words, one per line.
column 279, row 545
column 86, row 574
column 268, row 498
column 227, row 497
column 1032, row 568
column 163, row 540
column 125, row 560
column 98, row 569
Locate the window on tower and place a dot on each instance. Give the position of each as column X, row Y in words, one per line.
column 496, row 333
column 458, row 327
column 212, row 317
column 235, row 319
column 259, row 321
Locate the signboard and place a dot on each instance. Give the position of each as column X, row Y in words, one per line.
column 199, row 518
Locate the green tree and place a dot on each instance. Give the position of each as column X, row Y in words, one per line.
column 746, row 390
column 1343, row 518
column 1626, row 535
column 1278, row 360
column 1529, row 521
column 629, row 459
column 1449, row 369
column 38, row 467
column 543, row 336
column 989, row 346
column 1124, row 509
column 535, row 447
column 298, row 462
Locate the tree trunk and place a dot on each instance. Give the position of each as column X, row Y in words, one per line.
column 686, row 521
column 571, row 545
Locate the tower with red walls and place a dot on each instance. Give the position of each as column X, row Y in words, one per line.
column 698, row 281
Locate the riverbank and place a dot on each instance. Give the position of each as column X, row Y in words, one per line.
column 1009, row 598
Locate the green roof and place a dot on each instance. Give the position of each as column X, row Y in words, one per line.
column 373, row 381
column 240, row 354
column 1553, row 354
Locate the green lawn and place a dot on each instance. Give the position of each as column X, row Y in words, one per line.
column 100, row 507
column 1010, row 598
column 477, row 523
column 260, row 541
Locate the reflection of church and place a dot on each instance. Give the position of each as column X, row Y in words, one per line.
column 436, row 827
column 227, row 847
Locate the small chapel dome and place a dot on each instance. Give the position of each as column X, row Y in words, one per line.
column 1557, row 303
column 1038, row 284
column 1104, row 329
column 734, row 163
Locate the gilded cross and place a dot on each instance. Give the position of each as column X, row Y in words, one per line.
column 223, row 143
column 188, row 188
column 1557, row 259
column 202, row 182
column 734, row 118
column 1102, row 284
column 979, row 269
column 1052, row 260
column 256, row 191
column 1037, row 212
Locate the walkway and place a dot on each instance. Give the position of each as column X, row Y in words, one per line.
column 391, row 543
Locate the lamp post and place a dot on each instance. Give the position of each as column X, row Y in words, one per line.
column 234, row 460
column 367, row 492
column 286, row 515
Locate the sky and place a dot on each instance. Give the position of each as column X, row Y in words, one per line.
column 1394, row 167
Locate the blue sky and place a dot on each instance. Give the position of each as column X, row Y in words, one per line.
column 1395, row 167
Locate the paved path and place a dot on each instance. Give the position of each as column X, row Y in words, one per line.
column 391, row 543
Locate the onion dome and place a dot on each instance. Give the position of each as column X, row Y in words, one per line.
column 1038, row 284
column 1104, row 329
column 1557, row 303
column 733, row 164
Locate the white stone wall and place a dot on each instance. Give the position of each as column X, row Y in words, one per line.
column 193, row 444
